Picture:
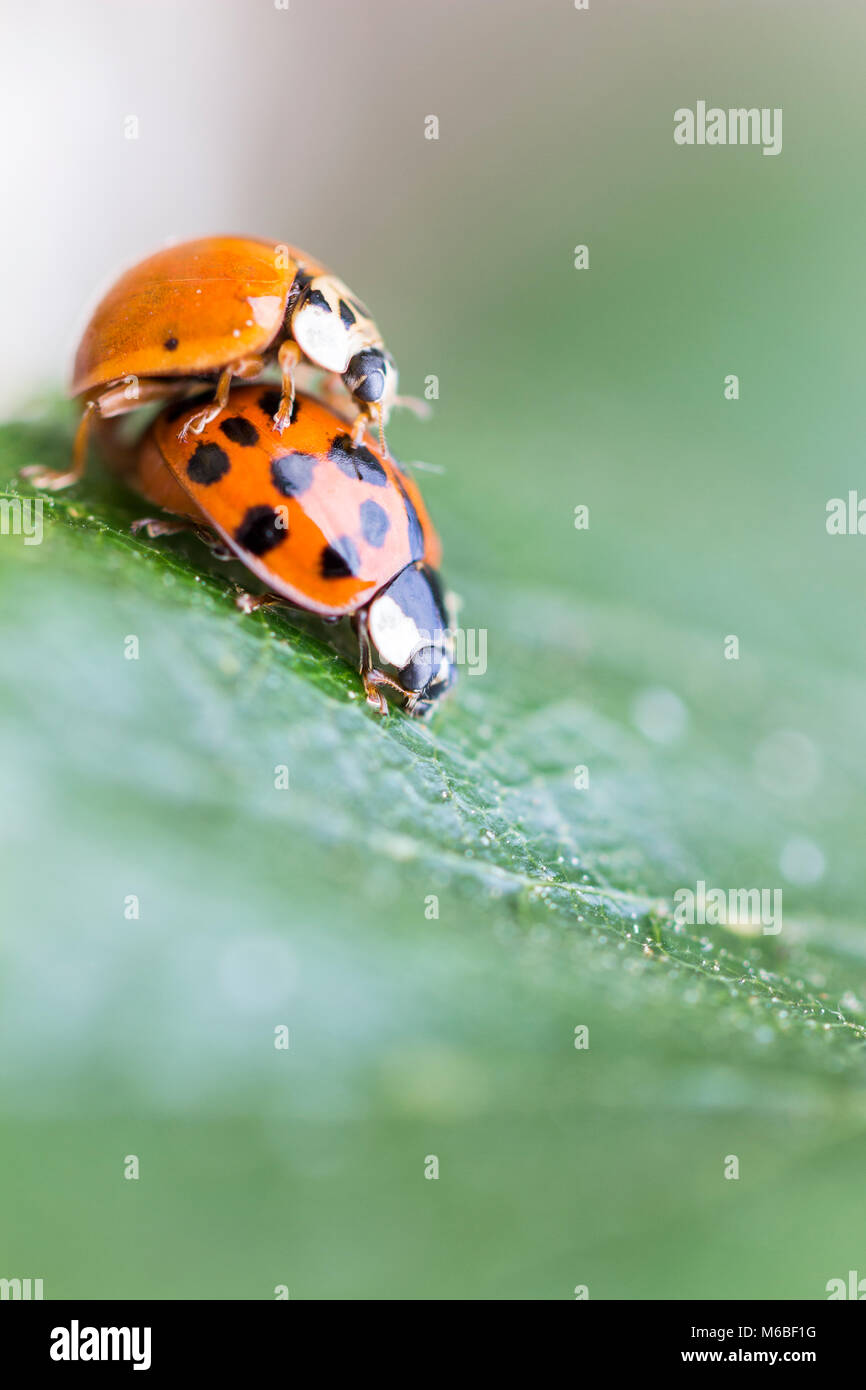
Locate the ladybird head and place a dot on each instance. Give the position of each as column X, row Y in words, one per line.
column 371, row 379
column 409, row 628
column 430, row 675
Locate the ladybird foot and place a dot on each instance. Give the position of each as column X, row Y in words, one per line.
column 156, row 526
column 198, row 422
column 49, row 478
column 359, row 429
column 216, row 547
column 283, row 417
column 251, row 603
column 375, row 696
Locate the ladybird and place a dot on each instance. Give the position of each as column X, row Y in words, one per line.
column 223, row 307
column 328, row 524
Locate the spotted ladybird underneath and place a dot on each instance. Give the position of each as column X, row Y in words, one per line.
column 326, row 524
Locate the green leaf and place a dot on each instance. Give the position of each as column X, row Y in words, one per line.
column 411, row 1035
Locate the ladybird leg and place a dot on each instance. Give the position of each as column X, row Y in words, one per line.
column 244, row 370
column 373, row 678
column 359, row 428
column 371, row 418
column 248, row 368
column 156, row 526
column 288, row 358
column 251, row 603
column 327, row 387
column 218, row 549
column 369, row 675
column 365, row 653
column 119, row 398
column 53, row 480
column 374, row 696
column 202, row 418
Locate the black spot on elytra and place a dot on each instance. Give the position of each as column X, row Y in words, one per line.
column 356, row 461
column 240, row 431
column 416, row 534
column 293, row 473
column 170, row 344
column 340, row 560
column 374, row 522
column 261, row 529
column 269, row 404
column 208, row 464
column 348, row 318
column 316, row 297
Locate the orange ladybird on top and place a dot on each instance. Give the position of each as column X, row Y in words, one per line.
column 223, row 308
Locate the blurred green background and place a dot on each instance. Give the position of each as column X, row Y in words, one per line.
column 454, row 1037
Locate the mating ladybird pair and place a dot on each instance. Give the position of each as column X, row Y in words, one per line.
column 327, row 522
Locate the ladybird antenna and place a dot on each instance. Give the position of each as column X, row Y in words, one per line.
column 421, row 409
column 379, row 678
column 427, row 467
column 386, row 680
column 382, row 443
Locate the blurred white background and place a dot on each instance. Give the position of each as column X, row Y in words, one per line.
column 305, row 124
